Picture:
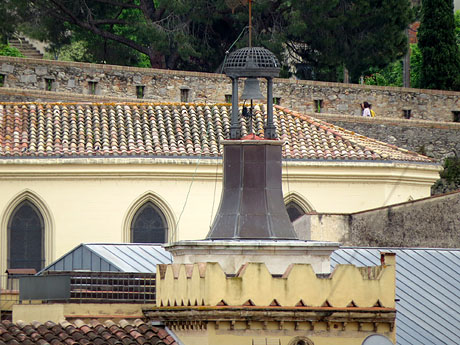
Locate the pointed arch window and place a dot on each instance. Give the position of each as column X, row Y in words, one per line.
column 149, row 225
column 294, row 211
column 26, row 237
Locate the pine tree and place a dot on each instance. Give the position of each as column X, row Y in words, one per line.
column 356, row 34
column 440, row 53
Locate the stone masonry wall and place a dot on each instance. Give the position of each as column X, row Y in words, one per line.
column 435, row 139
column 175, row 86
column 431, row 222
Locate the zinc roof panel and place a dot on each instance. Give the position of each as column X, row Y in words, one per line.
column 428, row 289
column 133, row 257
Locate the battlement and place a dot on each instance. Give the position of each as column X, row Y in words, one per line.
column 206, row 284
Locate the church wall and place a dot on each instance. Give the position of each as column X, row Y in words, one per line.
column 92, row 200
column 83, row 79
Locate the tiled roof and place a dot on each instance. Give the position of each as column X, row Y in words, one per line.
column 80, row 333
column 146, row 129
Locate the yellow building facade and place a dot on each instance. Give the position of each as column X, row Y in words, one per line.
column 204, row 305
column 87, row 170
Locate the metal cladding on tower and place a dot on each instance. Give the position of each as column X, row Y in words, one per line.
column 252, row 205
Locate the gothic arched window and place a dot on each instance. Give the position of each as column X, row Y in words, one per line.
column 149, row 225
column 294, row 211
column 25, row 237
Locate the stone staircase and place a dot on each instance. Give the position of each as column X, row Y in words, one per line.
column 25, row 47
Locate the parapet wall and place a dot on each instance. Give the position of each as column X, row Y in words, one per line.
column 122, row 83
column 206, row 284
column 432, row 138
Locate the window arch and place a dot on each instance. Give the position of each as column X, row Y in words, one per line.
column 26, row 237
column 294, row 211
column 296, row 206
column 149, row 225
column 300, row 341
column 160, row 206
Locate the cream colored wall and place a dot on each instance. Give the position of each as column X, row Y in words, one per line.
column 57, row 312
column 276, row 337
column 92, row 200
column 207, row 284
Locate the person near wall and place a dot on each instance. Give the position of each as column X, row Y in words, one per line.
column 366, row 107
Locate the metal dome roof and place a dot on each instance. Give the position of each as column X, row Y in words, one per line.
column 252, row 62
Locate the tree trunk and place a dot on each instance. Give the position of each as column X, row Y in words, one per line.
column 157, row 60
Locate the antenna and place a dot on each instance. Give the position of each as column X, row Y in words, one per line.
column 250, row 23
column 233, row 4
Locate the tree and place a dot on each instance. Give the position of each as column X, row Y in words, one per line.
column 8, row 22
column 457, row 26
column 391, row 75
column 354, row 34
column 449, row 177
column 175, row 34
column 438, row 46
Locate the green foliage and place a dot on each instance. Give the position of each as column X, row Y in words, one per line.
column 440, row 53
column 6, row 50
column 457, row 26
column 357, row 34
column 392, row 74
column 323, row 37
column 388, row 76
column 449, row 177
column 8, row 20
column 415, row 66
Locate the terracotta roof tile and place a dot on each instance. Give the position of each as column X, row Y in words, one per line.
column 148, row 129
column 80, row 333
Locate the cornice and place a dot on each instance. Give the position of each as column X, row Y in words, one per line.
column 199, row 317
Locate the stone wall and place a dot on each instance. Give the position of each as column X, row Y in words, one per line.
column 175, row 86
column 431, row 222
column 434, row 139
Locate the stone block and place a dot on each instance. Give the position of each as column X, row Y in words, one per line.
column 137, row 79
column 7, row 68
column 28, row 78
column 41, row 70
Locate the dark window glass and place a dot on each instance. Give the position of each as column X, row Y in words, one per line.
column 26, row 238
column 318, row 105
column 92, row 87
column 49, row 84
column 140, row 91
column 184, row 95
column 294, row 211
column 149, row 225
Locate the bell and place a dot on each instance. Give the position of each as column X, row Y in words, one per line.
column 251, row 89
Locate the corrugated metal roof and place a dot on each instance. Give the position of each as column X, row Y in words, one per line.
column 428, row 289
column 102, row 257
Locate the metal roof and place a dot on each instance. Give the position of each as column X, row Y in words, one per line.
column 427, row 291
column 102, row 257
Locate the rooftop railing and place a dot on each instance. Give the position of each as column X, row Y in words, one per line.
column 90, row 287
